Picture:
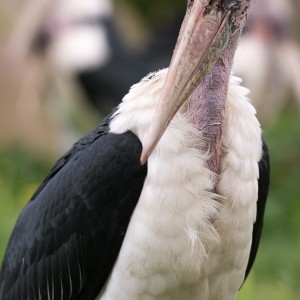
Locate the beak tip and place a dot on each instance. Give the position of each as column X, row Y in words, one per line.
column 143, row 158
column 152, row 139
column 146, row 152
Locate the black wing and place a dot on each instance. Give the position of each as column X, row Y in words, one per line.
column 263, row 189
column 68, row 236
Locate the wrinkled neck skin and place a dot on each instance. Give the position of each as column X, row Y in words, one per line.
column 207, row 104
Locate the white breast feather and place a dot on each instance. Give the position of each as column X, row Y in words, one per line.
column 178, row 245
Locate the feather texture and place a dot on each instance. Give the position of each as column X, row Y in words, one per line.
column 184, row 240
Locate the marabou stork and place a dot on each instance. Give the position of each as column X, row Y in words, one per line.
column 165, row 198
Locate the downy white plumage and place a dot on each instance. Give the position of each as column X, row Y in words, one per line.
column 184, row 242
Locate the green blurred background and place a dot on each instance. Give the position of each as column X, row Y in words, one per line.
column 276, row 273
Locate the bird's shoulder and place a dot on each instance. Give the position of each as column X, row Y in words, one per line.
column 75, row 223
column 74, row 152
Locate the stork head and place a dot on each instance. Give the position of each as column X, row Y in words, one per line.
column 206, row 31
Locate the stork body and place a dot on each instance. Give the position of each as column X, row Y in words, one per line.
column 165, row 198
column 186, row 236
column 184, row 240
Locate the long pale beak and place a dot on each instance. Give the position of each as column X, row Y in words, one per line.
column 203, row 36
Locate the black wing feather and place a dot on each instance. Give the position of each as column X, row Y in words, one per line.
column 68, row 236
column 75, row 151
column 263, row 189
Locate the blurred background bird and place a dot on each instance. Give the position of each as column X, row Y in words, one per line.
column 268, row 59
column 50, row 96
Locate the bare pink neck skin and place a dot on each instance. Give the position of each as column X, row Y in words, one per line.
column 207, row 104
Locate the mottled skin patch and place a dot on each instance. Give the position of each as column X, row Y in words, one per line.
column 238, row 10
column 207, row 104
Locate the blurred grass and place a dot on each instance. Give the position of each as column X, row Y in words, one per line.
column 20, row 175
column 277, row 268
